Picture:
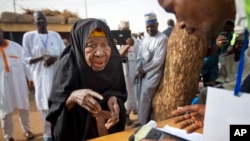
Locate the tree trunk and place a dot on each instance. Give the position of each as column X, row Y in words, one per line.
column 180, row 81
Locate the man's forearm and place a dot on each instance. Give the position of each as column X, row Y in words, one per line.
column 36, row 59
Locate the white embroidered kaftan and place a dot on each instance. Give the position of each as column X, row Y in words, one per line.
column 36, row 44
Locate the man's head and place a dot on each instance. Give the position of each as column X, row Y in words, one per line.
column 229, row 26
column 200, row 17
column 170, row 22
column 124, row 25
column 238, row 43
column 151, row 23
column 41, row 21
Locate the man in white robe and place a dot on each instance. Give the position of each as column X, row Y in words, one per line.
column 150, row 66
column 41, row 50
column 13, row 88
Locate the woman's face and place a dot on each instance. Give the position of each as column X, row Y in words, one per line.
column 97, row 53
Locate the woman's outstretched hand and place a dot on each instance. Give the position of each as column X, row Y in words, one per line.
column 115, row 110
column 86, row 98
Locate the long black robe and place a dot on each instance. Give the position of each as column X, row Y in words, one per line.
column 73, row 73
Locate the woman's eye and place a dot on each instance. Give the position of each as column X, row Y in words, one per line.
column 105, row 45
column 91, row 45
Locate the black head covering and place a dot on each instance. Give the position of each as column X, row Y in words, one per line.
column 72, row 73
column 92, row 79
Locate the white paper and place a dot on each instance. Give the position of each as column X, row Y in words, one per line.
column 182, row 133
column 152, row 124
column 222, row 110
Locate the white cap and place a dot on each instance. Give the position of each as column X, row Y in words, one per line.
column 124, row 24
column 150, row 18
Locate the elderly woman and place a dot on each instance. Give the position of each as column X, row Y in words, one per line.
column 88, row 85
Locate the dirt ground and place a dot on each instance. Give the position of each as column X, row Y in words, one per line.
column 35, row 123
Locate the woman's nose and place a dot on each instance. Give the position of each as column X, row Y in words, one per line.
column 99, row 52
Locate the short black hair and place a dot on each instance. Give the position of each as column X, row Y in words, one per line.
column 38, row 14
column 170, row 22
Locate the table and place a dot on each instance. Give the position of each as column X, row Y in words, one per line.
column 124, row 135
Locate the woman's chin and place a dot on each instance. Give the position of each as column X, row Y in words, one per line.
column 98, row 69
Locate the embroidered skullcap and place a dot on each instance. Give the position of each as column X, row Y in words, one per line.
column 97, row 33
column 124, row 24
column 150, row 18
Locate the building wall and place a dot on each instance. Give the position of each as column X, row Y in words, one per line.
column 18, row 36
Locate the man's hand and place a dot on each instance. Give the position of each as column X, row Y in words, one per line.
column 130, row 41
column 31, row 86
column 221, row 40
column 191, row 121
column 49, row 60
column 141, row 72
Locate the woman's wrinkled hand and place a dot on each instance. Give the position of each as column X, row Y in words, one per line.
column 86, row 99
column 115, row 110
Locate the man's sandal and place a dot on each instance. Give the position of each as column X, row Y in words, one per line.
column 29, row 135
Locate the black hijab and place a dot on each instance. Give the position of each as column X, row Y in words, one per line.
column 72, row 73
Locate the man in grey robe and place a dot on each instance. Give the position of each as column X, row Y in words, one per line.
column 150, row 66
